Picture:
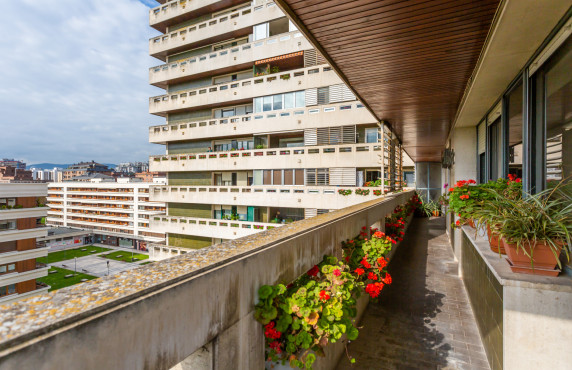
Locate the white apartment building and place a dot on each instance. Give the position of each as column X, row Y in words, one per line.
column 20, row 213
column 260, row 131
column 117, row 213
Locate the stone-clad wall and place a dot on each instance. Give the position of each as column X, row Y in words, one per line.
column 486, row 296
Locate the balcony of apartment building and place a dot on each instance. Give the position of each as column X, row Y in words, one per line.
column 339, row 156
column 286, row 119
column 99, row 199
column 20, row 229
column 98, row 207
column 243, row 91
column 226, row 57
column 102, row 223
column 176, row 12
column 212, row 28
column 314, row 197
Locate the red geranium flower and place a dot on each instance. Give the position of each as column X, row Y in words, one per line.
column 372, row 276
column 365, row 263
column 337, row 272
column 381, row 262
column 387, row 279
column 359, row 271
column 379, row 234
column 314, row 271
column 275, row 346
column 324, row 296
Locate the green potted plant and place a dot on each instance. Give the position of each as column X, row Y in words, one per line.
column 535, row 230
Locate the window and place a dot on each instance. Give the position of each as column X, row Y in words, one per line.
column 7, row 225
column 371, row 135
column 260, row 31
column 279, row 102
column 558, row 115
column 515, row 124
column 7, row 290
column 495, row 150
column 317, row 176
column 6, row 269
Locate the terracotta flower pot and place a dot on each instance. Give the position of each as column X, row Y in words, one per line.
column 496, row 245
column 543, row 259
column 436, row 213
column 471, row 223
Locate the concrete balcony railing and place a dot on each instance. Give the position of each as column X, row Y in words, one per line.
column 178, row 11
column 18, row 277
column 239, row 57
column 208, row 227
column 344, row 155
column 224, row 27
column 11, row 235
column 295, row 80
column 204, row 298
column 17, row 213
column 93, row 207
column 11, row 190
column 40, row 289
column 263, row 196
column 15, row 256
column 349, row 113
column 100, row 201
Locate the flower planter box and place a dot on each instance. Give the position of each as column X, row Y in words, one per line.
column 543, row 261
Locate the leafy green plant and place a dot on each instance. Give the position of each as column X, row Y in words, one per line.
column 362, row 191
column 527, row 220
column 344, row 192
column 319, row 307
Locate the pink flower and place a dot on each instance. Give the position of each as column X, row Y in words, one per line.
column 337, row 272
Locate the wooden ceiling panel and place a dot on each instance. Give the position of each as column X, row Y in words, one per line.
column 408, row 60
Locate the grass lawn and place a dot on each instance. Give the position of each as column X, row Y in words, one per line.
column 57, row 281
column 69, row 254
column 125, row 256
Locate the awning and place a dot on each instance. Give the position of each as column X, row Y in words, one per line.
column 285, row 56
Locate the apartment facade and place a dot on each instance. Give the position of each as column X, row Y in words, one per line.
column 117, row 213
column 85, row 168
column 260, row 131
column 20, row 225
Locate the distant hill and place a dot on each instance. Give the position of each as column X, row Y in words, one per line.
column 50, row 166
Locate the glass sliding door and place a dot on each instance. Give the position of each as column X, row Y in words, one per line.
column 553, row 118
column 514, row 132
column 495, row 149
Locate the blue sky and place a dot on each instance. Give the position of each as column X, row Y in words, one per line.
column 74, row 81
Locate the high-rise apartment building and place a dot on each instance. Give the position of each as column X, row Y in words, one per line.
column 259, row 131
column 85, row 168
column 20, row 225
column 117, row 213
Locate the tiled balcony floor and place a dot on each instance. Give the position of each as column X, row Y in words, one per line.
column 424, row 319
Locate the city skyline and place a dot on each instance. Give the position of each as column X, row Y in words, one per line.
column 74, row 85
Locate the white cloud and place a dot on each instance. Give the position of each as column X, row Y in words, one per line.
column 74, row 81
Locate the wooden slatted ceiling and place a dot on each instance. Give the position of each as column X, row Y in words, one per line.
column 408, row 60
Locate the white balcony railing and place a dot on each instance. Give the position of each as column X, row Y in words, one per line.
column 344, row 155
column 188, row 36
column 208, row 227
column 277, row 45
column 267, row 195
column 295, row 80
column 347, row 113
column 17, row 213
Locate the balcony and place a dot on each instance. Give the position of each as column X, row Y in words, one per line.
column 18, row 277
column 208, row 227
column 263, row 196
column 224, row 27
column 41, row 288
column 11, row 235
column 178, row 11
column 166, row 292
column 237, row 58
column 16, row 190
column 17, row 213
column 244, row 90
column 15, row 256
column 300, row 157
column 350, row 113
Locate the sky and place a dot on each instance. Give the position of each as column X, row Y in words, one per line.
column 74, row 81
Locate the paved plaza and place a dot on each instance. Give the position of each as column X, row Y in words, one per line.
column 424, row 319
column 97, row 266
